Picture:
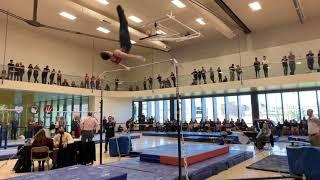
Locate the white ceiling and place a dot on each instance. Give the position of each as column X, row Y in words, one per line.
column 274, row 13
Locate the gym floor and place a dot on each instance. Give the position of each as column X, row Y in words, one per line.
column 238, row 171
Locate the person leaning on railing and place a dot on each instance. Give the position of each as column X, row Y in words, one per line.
column 284, row 62
column 292, row 63
column 10, row 70
column 29, row 72
column 36, row 70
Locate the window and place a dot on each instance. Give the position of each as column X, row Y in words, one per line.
column 232, row 107
column 161, row 111
column 188, row 110
column 135, row 110
column 245, row 109
column 166, row 107
column 68, row 114
column 209, row 108
column 308, row 100
column 290, row 106
column 84, row 108
column 144, row 108
column 275, row 107
column 221, row 111
column 151, row 109
column 198, row 109
column 262, row 106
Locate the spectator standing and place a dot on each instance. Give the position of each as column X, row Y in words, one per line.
column 256, row 65
column 98, row 83
column 284, row 62
column 14, row 128
column 73, row 84
column 265, row 66
column 88, row 125
column 219, row 74
column 65, row 83
column 211, row 75
column 81, row 84
column 92, row 82
column 51, row 77
column 29, row 73
column 310, row 60
column 86, row 81
column 44, row 74
column 313, row 128
column 10, row 70
column 232, row 69
column 239, row 72
column 36, row 73
column 173, row 78
column 292, row 63
column 225, row 79
column 59, row 77
column 17, row 72
column 109, row 129
column 107, row 88
column 204, row 75
column 199, row 76
column 116, row 83
column 150, row 80
column 144, row 83
column 195, row 77
column 21, row 71
column 159, row 78
column 319, row 58
column 75, row 127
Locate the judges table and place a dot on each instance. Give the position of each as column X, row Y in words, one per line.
column 76, row 172
column 75, row 153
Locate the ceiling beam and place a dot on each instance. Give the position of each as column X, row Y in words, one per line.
column 233, row 16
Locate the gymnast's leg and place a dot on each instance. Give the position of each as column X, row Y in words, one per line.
column 124, row 36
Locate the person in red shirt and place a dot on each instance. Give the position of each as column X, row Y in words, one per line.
column 125, row 43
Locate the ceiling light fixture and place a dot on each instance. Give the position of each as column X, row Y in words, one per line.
column 104, row 2
column 178, row 3
column 68, row 15
column 104, row 30
column 161, row 32
column 200, row 21
column 255, row 6
column 133, row 42
column 135, row 19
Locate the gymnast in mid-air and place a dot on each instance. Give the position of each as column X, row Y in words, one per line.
column 125, row 44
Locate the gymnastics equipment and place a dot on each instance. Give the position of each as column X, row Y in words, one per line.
column 165, row 33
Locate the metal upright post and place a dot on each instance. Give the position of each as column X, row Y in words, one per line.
column 178, row 121
column 1, row 128
column 101, row 124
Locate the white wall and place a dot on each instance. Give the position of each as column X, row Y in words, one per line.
column 70, row 53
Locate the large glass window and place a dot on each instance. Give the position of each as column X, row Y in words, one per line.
column 198, row 109
column 262, row 106
column 245, row 109
column 151, row 110
column 161, row 111
column 275, row 107
column 85, row 106
column 308, row 100
column 167, row 113
column 290, row 106
column 209, row 108
column 221, row 111
column 144, row 108
column 135, row 110
column 69, row 114
column 188, row 110
column 232, row 107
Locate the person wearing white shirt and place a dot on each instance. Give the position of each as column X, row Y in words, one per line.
column 265, row 66
column 313, row 128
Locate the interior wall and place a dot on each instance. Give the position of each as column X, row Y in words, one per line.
column 72, row 54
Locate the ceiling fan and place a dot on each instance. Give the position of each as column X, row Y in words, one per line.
column 35, row 23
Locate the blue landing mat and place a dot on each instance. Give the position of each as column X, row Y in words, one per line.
column 96, row 139
column 299, row 138
column 138, row 170
column 7, row 153
column 234, row 137
column 76, row 172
